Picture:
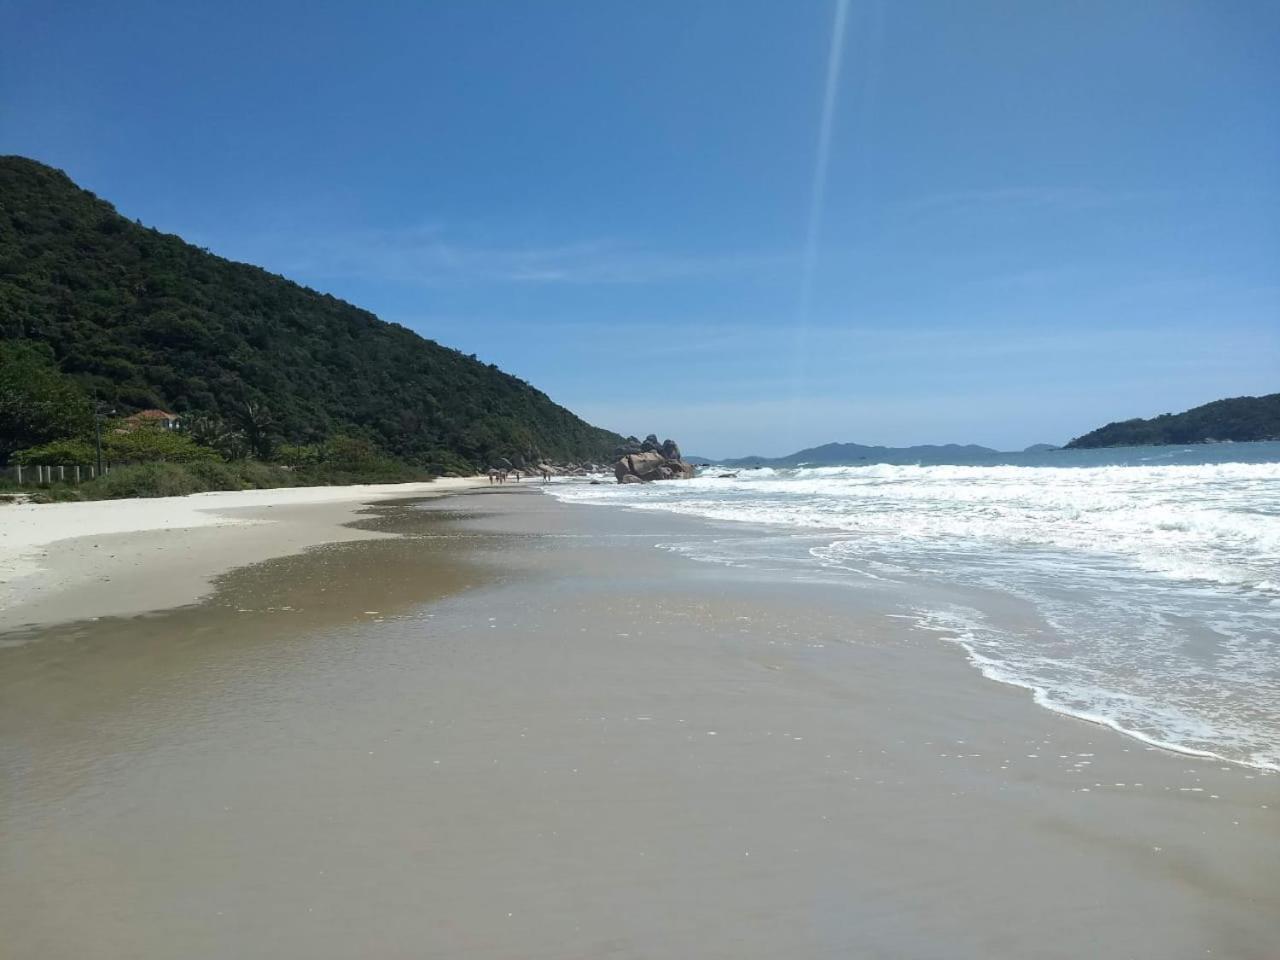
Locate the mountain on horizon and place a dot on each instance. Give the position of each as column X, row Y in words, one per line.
column 141, row 319
column 848, row 453
column 1237, row 419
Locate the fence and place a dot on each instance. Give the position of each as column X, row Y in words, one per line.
column 38, row 475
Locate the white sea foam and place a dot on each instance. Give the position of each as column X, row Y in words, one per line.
column 1153, row 589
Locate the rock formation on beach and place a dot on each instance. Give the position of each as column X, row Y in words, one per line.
column 641, row 461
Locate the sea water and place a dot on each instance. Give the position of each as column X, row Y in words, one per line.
column 1148, row 578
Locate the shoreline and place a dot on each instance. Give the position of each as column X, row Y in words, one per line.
column 1084, row 596
column 520, row 729
column 62, row 562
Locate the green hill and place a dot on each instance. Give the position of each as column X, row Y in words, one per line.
column 1239, row 418
column 143, row 319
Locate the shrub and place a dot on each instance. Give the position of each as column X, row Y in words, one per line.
column 300, row 454
column 345, row 452
column 264, row 476
column 57, row 495
column 215, row 476
column 144, row 480
column 445, row 463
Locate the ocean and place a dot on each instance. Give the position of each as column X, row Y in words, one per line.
column 1134, row 587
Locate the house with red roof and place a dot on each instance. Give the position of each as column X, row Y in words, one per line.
column 153, row 418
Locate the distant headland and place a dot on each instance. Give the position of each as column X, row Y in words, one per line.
column 846, row 453
column 1238, row 419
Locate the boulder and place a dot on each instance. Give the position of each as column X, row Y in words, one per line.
column 646, row 465
column 651, row 466
column 642, row 465
column 629, row 446
column 650, row 460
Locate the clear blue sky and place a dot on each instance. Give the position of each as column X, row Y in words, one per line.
column 1037, row 216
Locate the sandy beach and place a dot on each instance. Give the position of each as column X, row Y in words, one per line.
column 494, row 725
column 74, row 561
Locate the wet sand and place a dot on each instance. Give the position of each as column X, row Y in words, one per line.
column 73, row 561
column 522, row 731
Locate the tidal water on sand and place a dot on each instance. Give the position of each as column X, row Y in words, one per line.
column 1139, row 588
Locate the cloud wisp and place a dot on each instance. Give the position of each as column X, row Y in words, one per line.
column 430, row 256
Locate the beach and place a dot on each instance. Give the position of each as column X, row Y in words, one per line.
column 496, row 725
column 74, row 561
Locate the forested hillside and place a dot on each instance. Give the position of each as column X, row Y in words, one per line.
column 141, row 319
column 1239, row 419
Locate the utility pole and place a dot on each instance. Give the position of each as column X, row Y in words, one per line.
column 97, row 432
column 97, row 437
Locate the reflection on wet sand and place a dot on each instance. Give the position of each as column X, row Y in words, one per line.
column 523, row 731
column 67, row 691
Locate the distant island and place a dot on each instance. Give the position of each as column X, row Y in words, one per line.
column 847, row 453
column 1239, row 419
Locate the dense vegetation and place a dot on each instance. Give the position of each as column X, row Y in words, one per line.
column 47, row 420
column 1239, row 419
column 101, row 307
column 176, row 479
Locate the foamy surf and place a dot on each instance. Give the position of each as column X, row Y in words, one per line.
column 1148, row 591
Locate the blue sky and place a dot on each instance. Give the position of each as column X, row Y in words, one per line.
column 1035, row 217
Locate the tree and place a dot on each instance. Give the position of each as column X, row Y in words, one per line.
column 211, row 432
column 154, row 445
column 57, row 453
column 259, row 429
column 141, row 319
column 351, row 453
column 37, row 402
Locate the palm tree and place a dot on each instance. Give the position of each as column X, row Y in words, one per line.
column 258, row 427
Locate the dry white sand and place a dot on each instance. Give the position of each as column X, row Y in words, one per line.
column 69, row 561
